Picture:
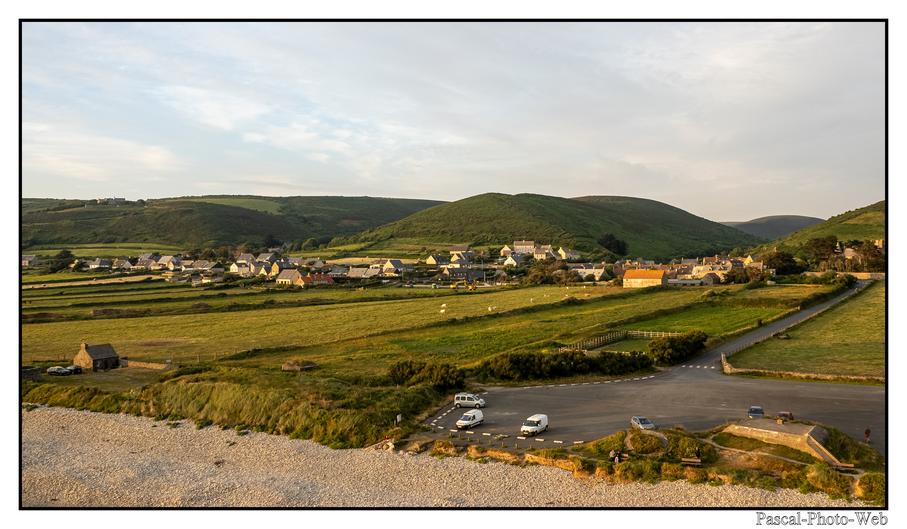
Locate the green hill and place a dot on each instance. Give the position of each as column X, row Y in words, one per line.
column 206, row 221
column 650, row 228
column 866, row 223
column 775, row 226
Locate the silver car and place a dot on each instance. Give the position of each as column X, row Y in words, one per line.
column 641, row 423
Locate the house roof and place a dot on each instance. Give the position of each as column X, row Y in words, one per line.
column 101, row 351
column 644, row 274
column 291, row 274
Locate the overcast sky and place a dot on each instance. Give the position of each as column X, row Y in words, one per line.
column 729, row 121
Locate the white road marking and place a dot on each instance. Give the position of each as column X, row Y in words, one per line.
column 596, row 382
column 558, row 442
column 470, row 433
column 585, row 383
column 540, row 440
column 577, row 442
column 561, row 385
column 521, row 437
column 485, row 433
column 454, row 430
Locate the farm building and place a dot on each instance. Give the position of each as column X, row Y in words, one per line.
column 644, row 278
column 97, row 357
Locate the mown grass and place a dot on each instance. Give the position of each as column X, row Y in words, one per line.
column 745, row 443
column 186, row 337
column 848, row 339
column 105, row 250
column 713, row 319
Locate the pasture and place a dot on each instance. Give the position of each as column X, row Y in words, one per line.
column 848, row 339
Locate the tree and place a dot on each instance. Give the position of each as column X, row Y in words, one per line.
column 60, row 261
column 783, row 263
column 819, row 249
column 613, row 244
column 309, row 244
column 271, row 241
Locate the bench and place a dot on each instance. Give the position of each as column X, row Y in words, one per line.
column 692, row 461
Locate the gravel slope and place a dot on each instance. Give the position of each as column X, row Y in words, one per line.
column 76, row 458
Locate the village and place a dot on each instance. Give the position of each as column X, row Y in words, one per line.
column 458, row 266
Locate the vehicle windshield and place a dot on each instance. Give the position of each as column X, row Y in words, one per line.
column 643, row 420
column 756, row 409
column 466, row 417
column 530, row 423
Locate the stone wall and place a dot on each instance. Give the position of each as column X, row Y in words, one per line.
column 147, row 365
column 731, row 370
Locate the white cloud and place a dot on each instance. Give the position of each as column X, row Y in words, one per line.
column 58, row 152
column 210, row 107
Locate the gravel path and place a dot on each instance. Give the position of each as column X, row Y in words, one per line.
column 76, row 458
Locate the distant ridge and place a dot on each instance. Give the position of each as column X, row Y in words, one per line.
column 193, row 222
column 867, row 223
column 775, row 226
column 651, row 229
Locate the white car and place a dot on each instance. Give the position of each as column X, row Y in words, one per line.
column 471, row 418
column 534, row 424
column 641, row 423
column 468, row 400
column 59, row 371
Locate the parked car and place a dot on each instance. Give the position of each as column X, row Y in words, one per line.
column 534, row 424
column 471, row 418
column 755, row 412
column 641, row 423
column 786, row 415
column 75, row 370
column 468, row 400
column 59, row 371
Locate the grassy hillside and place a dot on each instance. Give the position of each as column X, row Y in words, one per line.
column 650, row 228
column 202, row 221
column 774, row 227
column 860, row 224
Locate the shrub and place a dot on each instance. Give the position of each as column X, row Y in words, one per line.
column 401, row 372
column 535, row 365
column 828, row 480
column 443, row 448
column 604, row 446
column 682, row 445
column 581, row 465
column 672, row 471
column 604, row 468
column 638, row 470
column 645, row 443
column 871, row 488
column 695, row 474
column 674, row 349
column 440, row 376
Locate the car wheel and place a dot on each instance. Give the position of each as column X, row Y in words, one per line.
column 457, row 405
column 477, row 406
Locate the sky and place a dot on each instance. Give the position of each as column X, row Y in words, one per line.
column 730, row 121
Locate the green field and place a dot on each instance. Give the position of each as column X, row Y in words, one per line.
column 222, row 333
column 257, row 204
column 848, row 339
column 122, row 249
column 232, row 360
column 714, row 320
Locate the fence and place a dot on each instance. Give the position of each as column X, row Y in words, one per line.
column 614, row 336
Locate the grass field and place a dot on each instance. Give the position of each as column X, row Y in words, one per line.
column 632, row 344
column 119, row 249
column 210, row 334
column 849, row 339
column 349, row 400
column 32, row 277
column 713, row 319
column 257, row 204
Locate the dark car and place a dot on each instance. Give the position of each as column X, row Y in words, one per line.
column 755, row 412
column 75, row 370
column 786, row 415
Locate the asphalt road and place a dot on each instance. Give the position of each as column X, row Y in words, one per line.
column 697, row 396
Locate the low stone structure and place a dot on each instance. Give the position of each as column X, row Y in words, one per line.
column 806, row 438
column 729, row 369
column 97, row 357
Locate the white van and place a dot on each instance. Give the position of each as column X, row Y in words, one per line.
column 468, row 400
column 471, row 418
column 534, row 425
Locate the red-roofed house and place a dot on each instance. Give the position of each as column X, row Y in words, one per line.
column 644, row 278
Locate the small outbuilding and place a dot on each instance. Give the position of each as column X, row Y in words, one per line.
column 97, row 357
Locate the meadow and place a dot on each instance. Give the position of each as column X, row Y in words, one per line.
column 231, row 361
column 119, row 249
column 216, row 334
column 848, row 339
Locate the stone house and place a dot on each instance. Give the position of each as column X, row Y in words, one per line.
column 97, row 357
column 638, row 278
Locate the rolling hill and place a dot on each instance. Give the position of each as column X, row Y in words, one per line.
column 650, row 229
column 190, row 222
column 774, row 227
column 866, row 223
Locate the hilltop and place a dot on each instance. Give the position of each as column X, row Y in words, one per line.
column 775, row 226
column 207, row 220
column 650, row 228
column 867, row 223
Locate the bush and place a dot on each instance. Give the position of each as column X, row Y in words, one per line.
column 536, row 365
column 695, row 474
column 871, row 488
column 440, row 376
column 672, row 471
column 828, row 480
column 604, row 446
column 646, row 470
column 645, row 443
column 674, row 349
